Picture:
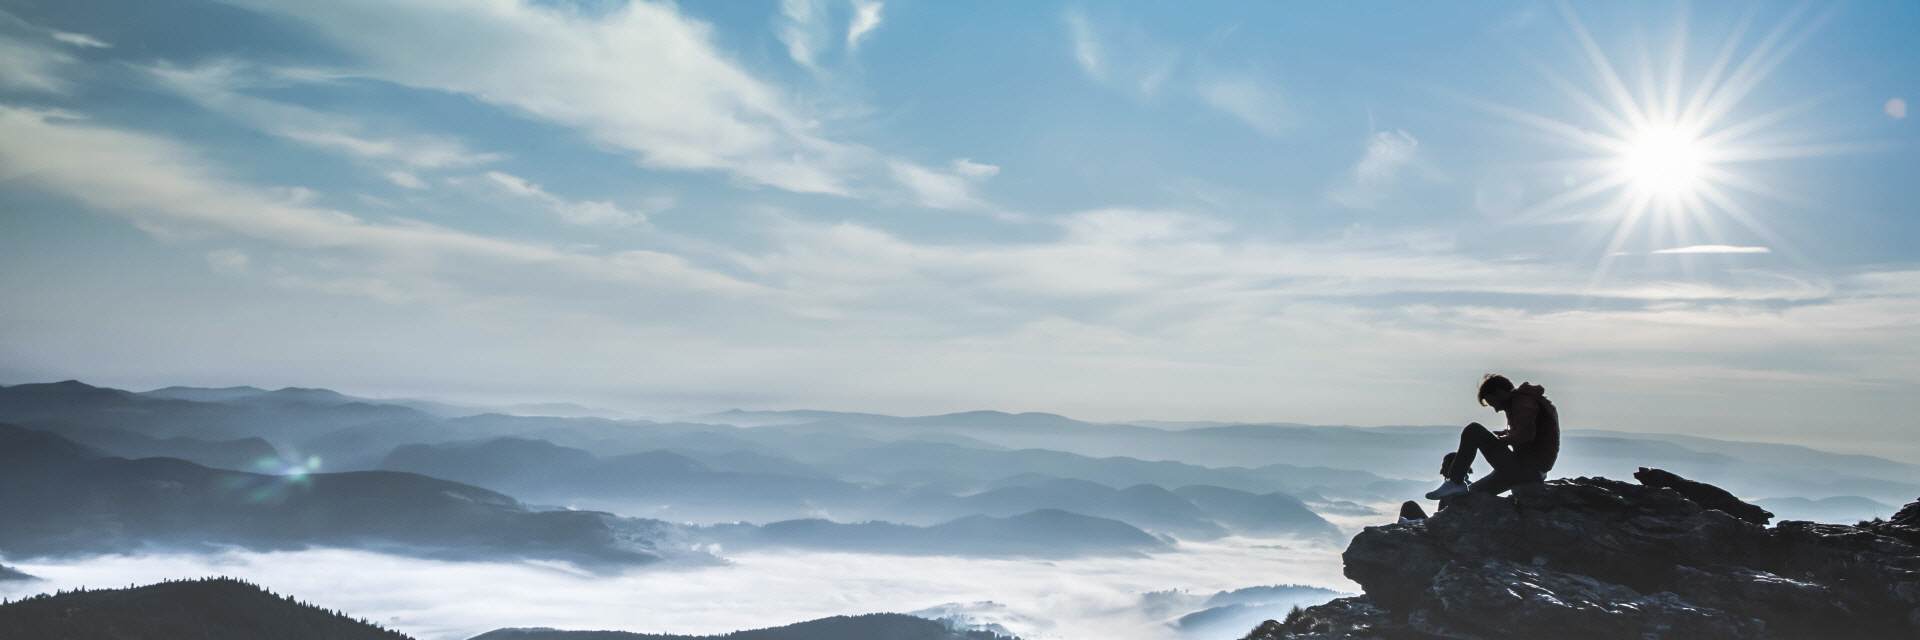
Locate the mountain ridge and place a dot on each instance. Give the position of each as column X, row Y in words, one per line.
column 202, row 609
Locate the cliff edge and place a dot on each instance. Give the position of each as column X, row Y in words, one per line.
column 1600, row 558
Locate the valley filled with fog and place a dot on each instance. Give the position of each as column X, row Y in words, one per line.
column 443, row 521
column 439, row 600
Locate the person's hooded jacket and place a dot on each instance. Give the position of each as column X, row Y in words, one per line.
column 1533, row 427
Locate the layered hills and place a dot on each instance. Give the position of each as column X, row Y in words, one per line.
column 62, row 498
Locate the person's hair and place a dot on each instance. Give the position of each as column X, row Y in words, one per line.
column 1493, row 383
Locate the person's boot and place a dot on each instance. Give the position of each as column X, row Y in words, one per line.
column 1410, row 511
column 1449, row 489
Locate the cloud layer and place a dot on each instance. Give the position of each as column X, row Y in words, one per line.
column 1069, row 599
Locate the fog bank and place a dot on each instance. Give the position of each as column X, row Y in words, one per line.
column 439, row 600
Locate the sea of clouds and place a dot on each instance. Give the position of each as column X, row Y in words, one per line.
column 445, row 600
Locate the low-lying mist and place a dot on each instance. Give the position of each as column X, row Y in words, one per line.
column 444, row 600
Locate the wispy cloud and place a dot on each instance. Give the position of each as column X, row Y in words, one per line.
column 599, row 213
column 1378, row 170
column 27, row 64
column 417, row 151
column 803, row 30
column 866, row 18
column 967, row 167
column 1087, row 49
column 406, row 180
column 80, row 40
column 156, row 183
column 942, row 189
column 692, row 108
column 229, row 261
column 1257, row 104
column 222, row 87
column 1711, row 248
column 1125, row 58
column 689, row 108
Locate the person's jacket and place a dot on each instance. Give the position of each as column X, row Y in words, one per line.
column 1533, row 427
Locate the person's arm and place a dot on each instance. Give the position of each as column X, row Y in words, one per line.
column 1521, row 414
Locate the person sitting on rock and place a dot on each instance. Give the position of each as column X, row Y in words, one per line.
column 1521, row 453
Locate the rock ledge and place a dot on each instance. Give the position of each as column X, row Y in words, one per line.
column 1600, row 558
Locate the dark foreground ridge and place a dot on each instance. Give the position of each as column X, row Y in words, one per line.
column 872, row 626
column 204, row 609
column 229, row 609
column 1600, row 558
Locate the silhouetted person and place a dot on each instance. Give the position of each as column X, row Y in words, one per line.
column 1521, row 453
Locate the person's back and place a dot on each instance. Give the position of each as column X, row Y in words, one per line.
column 1529, row 401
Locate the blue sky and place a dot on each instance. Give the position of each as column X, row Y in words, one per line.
column 1262, row 211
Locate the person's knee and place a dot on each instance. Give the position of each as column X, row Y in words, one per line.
column 1475, row 432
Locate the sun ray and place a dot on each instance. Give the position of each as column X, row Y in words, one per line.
column 1603, row 67
column 1760, row 63
column 1570, row 197
column 1565, row 131
column 1593, row 106
column 1732, row 133
column 1746, row 218
column 1715, row 73
column 1635, row 207
column 1676, row 66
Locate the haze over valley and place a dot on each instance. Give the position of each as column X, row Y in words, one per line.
column 449, row 522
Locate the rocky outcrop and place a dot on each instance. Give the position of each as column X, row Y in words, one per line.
column 1600, row 558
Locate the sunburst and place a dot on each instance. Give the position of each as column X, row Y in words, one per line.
column 1660, row 159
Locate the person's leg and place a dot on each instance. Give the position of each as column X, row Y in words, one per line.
column 1512, row 476
column 1499, row 481
column 1477, row 439
column 1473, row 439
column 1446, row 466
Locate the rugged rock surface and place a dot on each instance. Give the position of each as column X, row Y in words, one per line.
column 1600, row 558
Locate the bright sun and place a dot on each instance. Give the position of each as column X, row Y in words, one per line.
column 1665, row 162
column 1659, row 158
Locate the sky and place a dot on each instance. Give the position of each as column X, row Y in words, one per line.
column 1684, row 218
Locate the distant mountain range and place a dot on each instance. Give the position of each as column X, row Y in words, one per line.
column 1835, row 509
column 1048, row 533
column 666, row 484
column 299, row 395
column 282, row 420
column 656, row 483
column 63, row 498
column 210, row 609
